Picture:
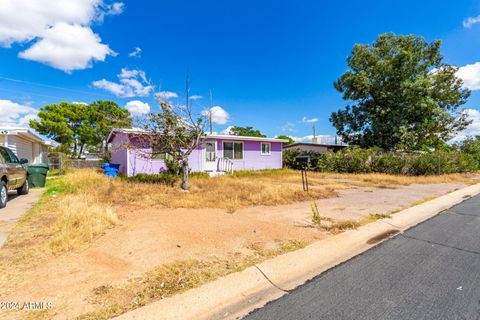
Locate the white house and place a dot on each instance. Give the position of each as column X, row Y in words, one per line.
column 25, row 144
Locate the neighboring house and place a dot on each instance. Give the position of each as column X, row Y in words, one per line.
column 217, row 153
column 315, row 146
column 25, row 144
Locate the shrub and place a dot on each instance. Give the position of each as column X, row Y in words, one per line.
column 168, row 179
column 357, row 160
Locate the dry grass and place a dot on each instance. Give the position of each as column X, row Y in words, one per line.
column 270, row 188
column 227, row 192
column 80, row 206
column 334, row 226
column 169, row 279
column 67, row 216
column 386, row 180
column 421, row 201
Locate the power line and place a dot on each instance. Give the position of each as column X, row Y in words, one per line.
column 52, row 87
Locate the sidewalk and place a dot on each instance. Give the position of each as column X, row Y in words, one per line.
column 16, row 207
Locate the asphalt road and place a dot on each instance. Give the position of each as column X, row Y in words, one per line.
column 432, row 271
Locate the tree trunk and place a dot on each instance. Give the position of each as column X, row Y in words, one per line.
column 75, row 149
column 81, row 151
column 185, row 174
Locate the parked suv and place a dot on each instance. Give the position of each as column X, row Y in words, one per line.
column 13, row 175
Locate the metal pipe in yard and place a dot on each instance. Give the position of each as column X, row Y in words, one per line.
column 439, row 166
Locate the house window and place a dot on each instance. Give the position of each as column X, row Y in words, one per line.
column 161, row 156
column 265, row 149
column 233, row 150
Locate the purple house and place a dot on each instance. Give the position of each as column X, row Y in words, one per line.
column 216, row 155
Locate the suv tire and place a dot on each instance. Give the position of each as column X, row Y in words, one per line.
column 23, row 190
column 3, row 194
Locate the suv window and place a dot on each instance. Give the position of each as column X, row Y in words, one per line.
column 13, row 157
column 4, row 157
column 9, row 156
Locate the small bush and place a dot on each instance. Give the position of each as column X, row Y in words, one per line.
column 168, row 179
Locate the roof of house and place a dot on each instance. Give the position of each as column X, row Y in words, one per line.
column 313, row 145
column 24, row 132
column 245, row 138
column 210, row 136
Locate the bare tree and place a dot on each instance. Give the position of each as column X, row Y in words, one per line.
column 175, row 131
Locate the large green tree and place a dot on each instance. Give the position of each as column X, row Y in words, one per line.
column 77, row 125
column 246, row 131
column 401, row 95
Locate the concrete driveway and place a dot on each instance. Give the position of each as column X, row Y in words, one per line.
column 16, row 207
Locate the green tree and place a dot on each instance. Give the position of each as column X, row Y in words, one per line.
column 103, row 117
column 63, row 122
column 401, row 94
column 246, row 131
column 77, row 125
column 471, row 145
column 289, row 139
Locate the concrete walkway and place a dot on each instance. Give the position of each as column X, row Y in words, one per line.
column 16, row 207
column 429, row 272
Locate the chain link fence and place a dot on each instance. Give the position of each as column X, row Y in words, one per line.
column 59, row 163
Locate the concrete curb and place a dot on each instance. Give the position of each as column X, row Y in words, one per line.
column 239, row 293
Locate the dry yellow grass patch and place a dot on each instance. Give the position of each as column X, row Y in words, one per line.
column 169, row 279
column 378, row 179
column 228, row 192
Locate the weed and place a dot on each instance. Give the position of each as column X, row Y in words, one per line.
column 169, row 279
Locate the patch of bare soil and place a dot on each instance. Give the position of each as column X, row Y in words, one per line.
column 151, row 237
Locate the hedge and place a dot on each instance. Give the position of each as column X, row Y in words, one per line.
column 357, row 160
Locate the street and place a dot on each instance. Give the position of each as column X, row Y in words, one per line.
column 432, row 271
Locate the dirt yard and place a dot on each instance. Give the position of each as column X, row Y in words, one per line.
column 148, row 237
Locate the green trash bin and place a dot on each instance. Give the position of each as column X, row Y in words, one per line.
column 37, row 174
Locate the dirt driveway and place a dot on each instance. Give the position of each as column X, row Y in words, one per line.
column 16, row 207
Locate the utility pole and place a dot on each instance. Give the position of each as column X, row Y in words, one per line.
column 210, row 112
column 186, row 92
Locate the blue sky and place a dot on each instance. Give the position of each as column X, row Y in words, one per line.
column 269, row 64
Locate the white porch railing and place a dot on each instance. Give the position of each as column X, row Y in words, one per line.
column 225, row 165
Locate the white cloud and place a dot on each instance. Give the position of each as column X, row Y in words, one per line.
column 470, row 74
column 136, row 53
column 68, row 47
column 470, row 21
column 473, row 129
column 288, row 127
column 137, row 108
column 195, row 97
column 311, row 120
column 13, row 114
column 44, row 22
column 227, row 130
column 166, row 95
column 113, row 9
column 219, row 115
column 132, row 83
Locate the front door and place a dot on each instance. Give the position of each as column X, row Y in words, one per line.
column 210, row 159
